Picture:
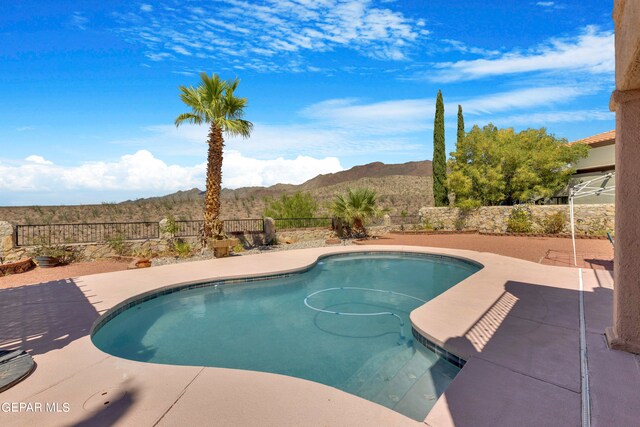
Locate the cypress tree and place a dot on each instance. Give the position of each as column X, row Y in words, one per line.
column 439, row 156
column 460, row 126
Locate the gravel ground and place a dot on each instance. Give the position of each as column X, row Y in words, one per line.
column 258, row 250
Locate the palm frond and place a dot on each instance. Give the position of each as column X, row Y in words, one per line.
column 238, row 127
column 189, row 118
column 213, row 101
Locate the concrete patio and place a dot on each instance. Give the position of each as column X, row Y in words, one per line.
column 517, row 323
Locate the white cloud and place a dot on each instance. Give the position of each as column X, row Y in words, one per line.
column 522, row 98
column 138, row 171
column 550, row 5
column 387, row 117
column 239, row 171
column 592, row 52
column 144, row 174
column 79, row 21
column 412, row 115
column 271, row 35
column 146, row 7
column 461, row 47
column 546, row 118
column 25, row 128
column 38, row 160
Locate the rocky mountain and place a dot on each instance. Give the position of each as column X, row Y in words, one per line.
column 400, row 187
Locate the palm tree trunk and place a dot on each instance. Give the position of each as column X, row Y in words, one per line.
column 358, row 227
column 212, row 224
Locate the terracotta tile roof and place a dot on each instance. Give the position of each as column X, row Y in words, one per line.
column 604, row 138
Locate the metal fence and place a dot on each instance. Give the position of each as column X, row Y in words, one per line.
column 231, row 226
column 56, row 234
column 288, row 223
column 244, row 226
column 188, row 228
column 27, row 235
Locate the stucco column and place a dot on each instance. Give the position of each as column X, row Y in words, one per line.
column 625, row 333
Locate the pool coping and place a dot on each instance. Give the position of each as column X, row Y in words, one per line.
column 105, row 291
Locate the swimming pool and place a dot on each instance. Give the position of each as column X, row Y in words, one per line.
column 264, row 325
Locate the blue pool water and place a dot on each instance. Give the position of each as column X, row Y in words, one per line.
column 265, row 326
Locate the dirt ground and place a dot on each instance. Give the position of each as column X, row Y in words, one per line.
column 592, row 253
column 41, row 275
column 551, row 251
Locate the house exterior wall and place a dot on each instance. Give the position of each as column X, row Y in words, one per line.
column 602, row 156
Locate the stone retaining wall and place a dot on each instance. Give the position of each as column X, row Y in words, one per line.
column 589, row 219
column 304, row 234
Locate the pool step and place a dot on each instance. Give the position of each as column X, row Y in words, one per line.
column 412, row 372
column 406, row 379
column 372, row 376
column 422, row 395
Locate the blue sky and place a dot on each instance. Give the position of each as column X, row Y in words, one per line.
column 90, row 89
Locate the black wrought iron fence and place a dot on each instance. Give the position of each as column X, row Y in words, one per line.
column 188, row 228
column 288, row 223
column 244, row 226
column 231, row 226
column 55, row 234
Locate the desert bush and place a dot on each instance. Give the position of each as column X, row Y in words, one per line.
column 598, row 227
column 142, row 252
column 117, row 244
column 182, row 248
column 170, row 226
column 520, row 220
column 298, row 205
column 553, row 223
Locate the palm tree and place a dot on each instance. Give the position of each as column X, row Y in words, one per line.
column 214, row 103
column 358, row 206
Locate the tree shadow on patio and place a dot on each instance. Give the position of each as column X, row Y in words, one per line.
column 44, row 317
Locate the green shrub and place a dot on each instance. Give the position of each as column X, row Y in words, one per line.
column 117, row 244
column 170, row 226
column 426, row 224
column 554, row 223
column 182, row 248
column 298, row 205
column 520, row 220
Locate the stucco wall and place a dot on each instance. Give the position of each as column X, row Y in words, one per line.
column 598, row 157
column 590, row 219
